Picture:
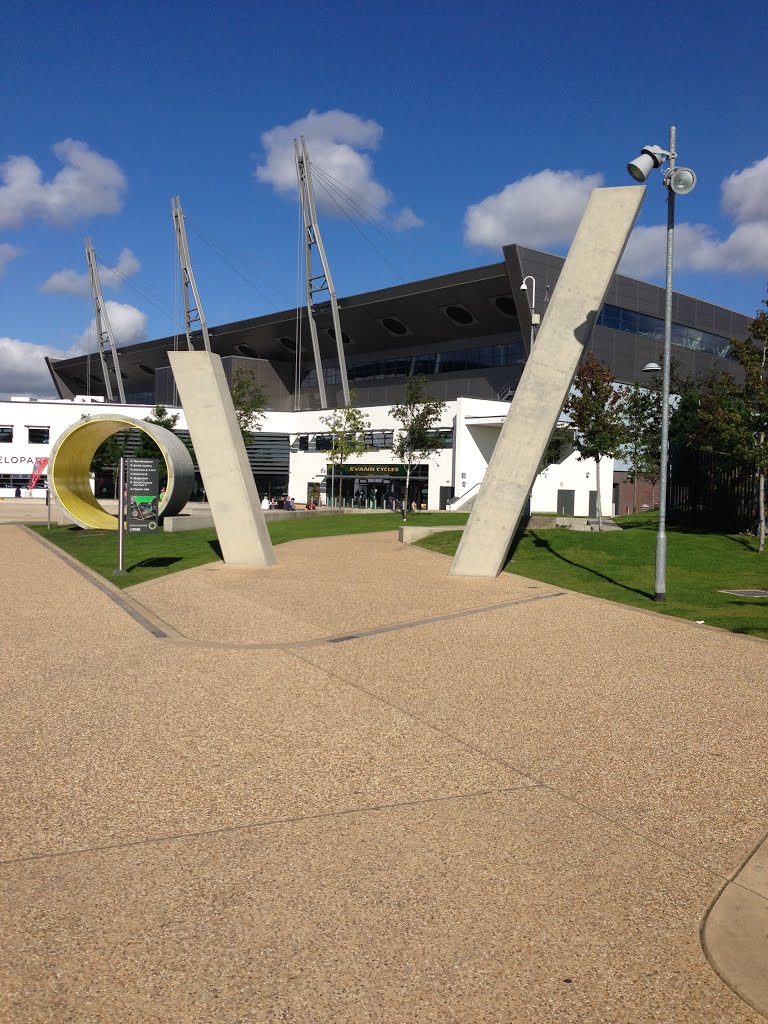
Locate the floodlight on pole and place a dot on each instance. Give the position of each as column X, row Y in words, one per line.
column 677, row 181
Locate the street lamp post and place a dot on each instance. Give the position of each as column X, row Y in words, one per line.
column 678, row 181
column 535, row 318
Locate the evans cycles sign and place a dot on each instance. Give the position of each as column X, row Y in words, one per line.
column 390, row 469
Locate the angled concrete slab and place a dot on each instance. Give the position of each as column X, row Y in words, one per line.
column 221, row 456
column 546, row 380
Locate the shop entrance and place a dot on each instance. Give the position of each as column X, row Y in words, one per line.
column 375, row 488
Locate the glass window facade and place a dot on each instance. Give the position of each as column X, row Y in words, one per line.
column 38, row 435
column 619, row 319
column 457, row 361
column 6, row 435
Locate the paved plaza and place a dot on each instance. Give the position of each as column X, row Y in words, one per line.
column 351, row 788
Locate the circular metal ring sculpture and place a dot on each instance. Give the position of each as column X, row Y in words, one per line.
column 70, row 466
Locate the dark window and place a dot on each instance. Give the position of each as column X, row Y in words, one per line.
column 652, row 327
column 424, row 364
column 393, row 325
column 303, row 442
column 506, row 305
column 6, row 435
column 459, row 315
column 39, row 435
column 323, row 442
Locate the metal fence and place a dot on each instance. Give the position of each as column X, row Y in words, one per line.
column 711, row 491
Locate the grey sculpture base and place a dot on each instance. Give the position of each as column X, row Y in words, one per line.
column 546, row 380
column 220, row 452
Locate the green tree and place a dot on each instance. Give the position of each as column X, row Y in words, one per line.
column 250, row 402
column 752, row 441
column 640, row 407
column 594, row 411
column 107, row 456
column 417, row 440
column 347, row 428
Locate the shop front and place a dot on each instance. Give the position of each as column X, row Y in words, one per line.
column 376, row 486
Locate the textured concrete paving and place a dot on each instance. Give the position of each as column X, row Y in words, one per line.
column 521, row 813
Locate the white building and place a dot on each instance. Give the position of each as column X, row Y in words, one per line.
column 469, row 429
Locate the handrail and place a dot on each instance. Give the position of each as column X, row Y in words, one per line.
column 460, row 499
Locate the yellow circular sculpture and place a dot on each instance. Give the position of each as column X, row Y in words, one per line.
column 70, row 466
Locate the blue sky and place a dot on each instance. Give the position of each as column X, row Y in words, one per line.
column 466, row 125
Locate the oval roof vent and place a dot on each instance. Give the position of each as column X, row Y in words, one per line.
column 288, row 343
column 394, row 326
column 246, row 350
column 345, row 339
column 506, row 305
column 146, row 369
column 459, row 315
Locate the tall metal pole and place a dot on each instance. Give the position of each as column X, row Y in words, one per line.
column 192, row 313
column 103, row 326
column 120, row 570
column 660, row 587
column 322, row 282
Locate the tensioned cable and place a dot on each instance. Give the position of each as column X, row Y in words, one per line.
column 235, row 261
column 352, row 221
column 153, row 298
column 378, row 223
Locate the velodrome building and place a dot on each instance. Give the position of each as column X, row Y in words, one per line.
column 468, row 332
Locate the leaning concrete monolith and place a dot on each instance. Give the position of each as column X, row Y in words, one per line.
column 222, row 458
column 566, row 329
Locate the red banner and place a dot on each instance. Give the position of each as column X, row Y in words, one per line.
column 37, row 471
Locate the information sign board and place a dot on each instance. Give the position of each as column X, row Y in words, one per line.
column 143, row 494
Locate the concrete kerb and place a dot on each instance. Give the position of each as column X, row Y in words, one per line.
column 734, row 932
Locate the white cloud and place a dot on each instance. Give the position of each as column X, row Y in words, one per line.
column 22, row 366
column 22, row 369
column 7, row 254
column 87, row 185
column 745, row 193
column 129, row 326
column 744, row 250
column 406, row 220
column 70, row 282
column 335, row 143
column 540, row 210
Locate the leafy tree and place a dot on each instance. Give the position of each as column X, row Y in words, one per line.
column 107, row 456
column 595, row 413
column 717, row 414
column 752, row 442
column 347, row 428
column 146, row 448
column 250, row 402
column 418, row 416
column 640, row 407
column 559, row 445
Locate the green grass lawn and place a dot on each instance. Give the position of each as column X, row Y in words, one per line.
column 620, row 567
column 149, row 555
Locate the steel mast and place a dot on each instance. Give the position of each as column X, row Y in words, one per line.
column 316, row 283
column 192, row 313
column 103, row 327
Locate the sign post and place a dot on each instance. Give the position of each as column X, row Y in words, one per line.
column 120, row 570
column 143, row 494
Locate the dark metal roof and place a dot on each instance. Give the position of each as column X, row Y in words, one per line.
column 423, row 308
